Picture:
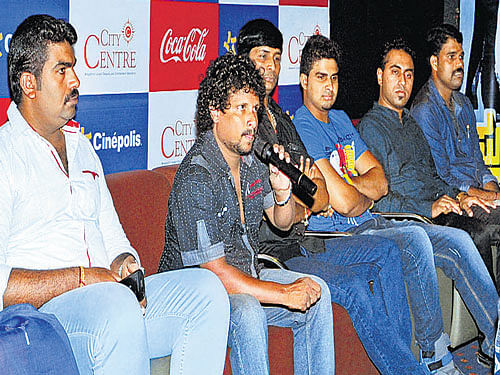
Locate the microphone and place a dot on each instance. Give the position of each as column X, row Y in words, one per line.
column 265, row 152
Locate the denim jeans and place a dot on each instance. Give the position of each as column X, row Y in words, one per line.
column 380, row 317
column 425, row 247
column 497, row 347
column 312, row 330
column 186, row 317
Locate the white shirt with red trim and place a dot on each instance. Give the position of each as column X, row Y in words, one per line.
column 50, row 219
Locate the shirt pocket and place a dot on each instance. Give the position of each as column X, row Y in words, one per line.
column 86, row 195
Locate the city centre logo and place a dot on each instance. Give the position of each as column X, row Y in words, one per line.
column 128, row 31
column 296, row 44
column 177, row 139
column 188, row 48
column 108, row 50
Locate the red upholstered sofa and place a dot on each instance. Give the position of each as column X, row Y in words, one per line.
column 141, row 200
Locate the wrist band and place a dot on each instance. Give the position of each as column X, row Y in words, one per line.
column 81, row 281
column 282, row 203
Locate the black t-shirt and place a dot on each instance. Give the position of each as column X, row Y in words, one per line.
column 284, row 245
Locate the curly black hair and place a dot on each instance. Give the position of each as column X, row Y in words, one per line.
column 318, row 47
column 395, row 44
column 438, row 36
column 226, row 75
column 28, row 48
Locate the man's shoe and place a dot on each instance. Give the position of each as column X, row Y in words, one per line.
column 439, row 361
column 484, row 360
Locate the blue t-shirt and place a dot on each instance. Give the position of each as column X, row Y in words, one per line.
column 341, row 144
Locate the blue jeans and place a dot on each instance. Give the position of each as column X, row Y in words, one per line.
column 312, row 330
column 381, row 318
column 497, row 347
column 186, row 317
column 425, row 247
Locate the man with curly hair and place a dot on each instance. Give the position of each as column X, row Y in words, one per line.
column 217, row 201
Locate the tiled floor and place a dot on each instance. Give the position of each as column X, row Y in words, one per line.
column 465, row 359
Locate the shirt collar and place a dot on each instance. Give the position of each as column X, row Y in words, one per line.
column 20, row 125
column 392, row 113
column 439, row 99
column 213, row 154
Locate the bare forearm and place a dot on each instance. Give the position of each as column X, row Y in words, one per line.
column 238, row 282
column 321, row 197
column 372, row 184
column 348, row 201
column 488, row 194
column 38, row 287
column 284, row 215
column 491, row 186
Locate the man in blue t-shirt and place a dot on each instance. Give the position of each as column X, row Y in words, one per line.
column 355, row 179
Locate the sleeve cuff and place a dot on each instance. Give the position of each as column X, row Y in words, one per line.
column 464, row 186
column 428, row 210
column 268, row 200
column 488, row 178
column 197, row 257
column 4, row 279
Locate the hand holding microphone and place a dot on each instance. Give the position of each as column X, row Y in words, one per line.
column 266, row 153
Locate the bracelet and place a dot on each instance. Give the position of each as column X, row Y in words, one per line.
column 81, row 281
column 307, row 213
column 282, row 203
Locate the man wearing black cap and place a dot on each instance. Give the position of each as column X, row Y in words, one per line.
column 355, row 268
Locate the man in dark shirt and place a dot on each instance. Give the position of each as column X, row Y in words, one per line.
column 447, row 120
column 217, row 201
column 380, row 314
column 355, row 179
column 396, row 140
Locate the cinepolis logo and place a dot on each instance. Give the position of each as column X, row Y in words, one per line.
column 184, row 48
column 110, row 50
column 177, row 139
column 296, row 44
column 118, row 142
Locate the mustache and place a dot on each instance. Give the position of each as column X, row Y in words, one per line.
column 248, row 132
column 72, row 95
column 269, row 75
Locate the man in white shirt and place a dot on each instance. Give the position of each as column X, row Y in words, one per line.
column 62, row 247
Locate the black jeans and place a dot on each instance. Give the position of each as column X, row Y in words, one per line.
column 484, row 229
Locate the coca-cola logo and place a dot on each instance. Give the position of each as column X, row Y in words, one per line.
column 187, row 48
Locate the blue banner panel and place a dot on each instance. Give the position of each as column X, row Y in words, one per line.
column 233, row 17
column 12, row 13
column 290, row 98
column 117, row 126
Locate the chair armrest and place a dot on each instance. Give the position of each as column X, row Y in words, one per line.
column 404, row 215
column 271, row 262
column 333, row 234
